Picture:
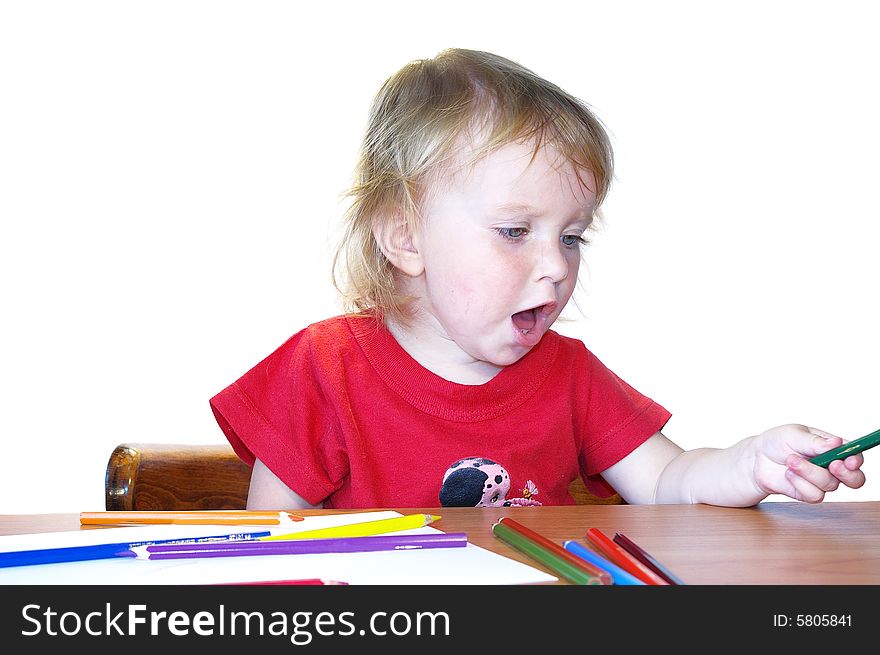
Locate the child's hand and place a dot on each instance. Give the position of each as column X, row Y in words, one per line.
column 781, row 464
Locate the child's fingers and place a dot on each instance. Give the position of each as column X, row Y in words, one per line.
column 821, row 442
column 848, row 472
column 822, row 433
column 854, row 461
column 778, row 443
column 808, row 482
column 820, row 478
column 803, row 489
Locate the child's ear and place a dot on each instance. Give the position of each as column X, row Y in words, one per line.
column 396, row 240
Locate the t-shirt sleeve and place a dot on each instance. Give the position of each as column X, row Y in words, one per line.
column 618, row 420
column 277, row 413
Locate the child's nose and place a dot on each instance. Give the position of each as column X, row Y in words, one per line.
column 552, row 262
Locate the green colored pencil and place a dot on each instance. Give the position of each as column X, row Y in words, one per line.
column 847, row 449
column 540, row 554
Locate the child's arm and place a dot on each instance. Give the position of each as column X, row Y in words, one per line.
column 742, row 475
column 268, row 492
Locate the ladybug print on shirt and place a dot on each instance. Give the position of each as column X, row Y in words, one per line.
column 480, row 482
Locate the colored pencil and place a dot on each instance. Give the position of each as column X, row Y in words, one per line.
column 217, row 517
column 620, row 576
column 847, row 449
column 590, row 567
column 558, row 565
column 362, row 529
column 645, row 558
column 306, row 581
column 305, row 546
column 106, row 551
column 622, row 558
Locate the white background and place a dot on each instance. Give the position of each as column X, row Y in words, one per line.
column 170, row 174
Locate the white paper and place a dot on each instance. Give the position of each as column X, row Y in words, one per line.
column 471, row 565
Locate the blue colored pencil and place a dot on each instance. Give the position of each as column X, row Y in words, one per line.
column 107, row 551
column 620, row 576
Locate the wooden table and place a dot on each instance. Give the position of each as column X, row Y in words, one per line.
column 775, row 543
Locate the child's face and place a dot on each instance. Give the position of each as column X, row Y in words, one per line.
column 500, row 246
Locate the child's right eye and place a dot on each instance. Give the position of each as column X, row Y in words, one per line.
column 512, row 233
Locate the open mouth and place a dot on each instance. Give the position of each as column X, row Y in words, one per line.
column 526, row 320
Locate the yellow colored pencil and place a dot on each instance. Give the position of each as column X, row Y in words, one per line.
column 362, row 529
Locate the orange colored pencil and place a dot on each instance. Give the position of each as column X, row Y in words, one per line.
column 622, row 558
column 601, row 574
column 217, row 517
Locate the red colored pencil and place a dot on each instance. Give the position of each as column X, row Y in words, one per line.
column 304, row 581
column 601, row 574
column 622, row 558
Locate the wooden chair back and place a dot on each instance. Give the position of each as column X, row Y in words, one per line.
column 162, row 476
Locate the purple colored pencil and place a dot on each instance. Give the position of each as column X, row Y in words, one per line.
column 304, row 546
column 645, row 558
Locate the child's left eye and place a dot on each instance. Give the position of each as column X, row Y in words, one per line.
column 572, row 239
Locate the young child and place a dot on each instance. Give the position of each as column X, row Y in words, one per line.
column 445, row 385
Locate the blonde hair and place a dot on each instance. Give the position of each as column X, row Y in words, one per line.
column 415, row 127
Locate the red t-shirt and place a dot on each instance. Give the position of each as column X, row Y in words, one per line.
column 342, row 414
